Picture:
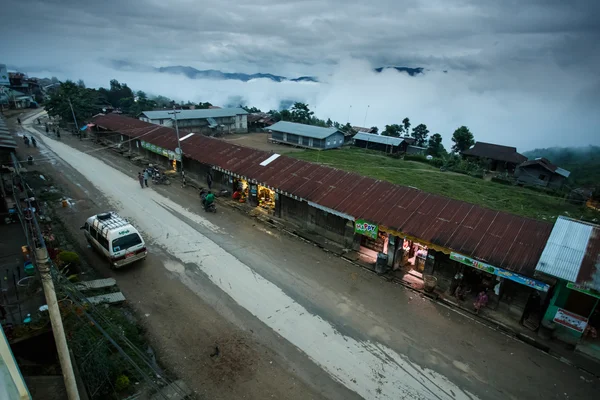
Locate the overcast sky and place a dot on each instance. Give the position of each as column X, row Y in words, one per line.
column 519, row 72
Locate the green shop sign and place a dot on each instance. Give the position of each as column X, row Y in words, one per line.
column 583, row 289
column 362, row 227
column 503, row 273
column 171, row 155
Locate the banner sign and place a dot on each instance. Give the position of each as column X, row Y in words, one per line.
column 503, row 273
column 583, row 289
column 159, row 150
column 570, row 320
column 362, row 227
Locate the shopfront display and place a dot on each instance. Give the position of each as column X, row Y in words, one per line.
column 240, row 190
column 266, row 198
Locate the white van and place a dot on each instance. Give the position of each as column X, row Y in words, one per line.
column 115, row 238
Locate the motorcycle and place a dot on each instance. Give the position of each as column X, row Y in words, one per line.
column 211, row 207
column 160, row 179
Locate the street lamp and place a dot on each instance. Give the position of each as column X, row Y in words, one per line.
column 178, row 150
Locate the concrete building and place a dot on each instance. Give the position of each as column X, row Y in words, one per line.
column 214, row 121
column 541, row 172
column 308, row 136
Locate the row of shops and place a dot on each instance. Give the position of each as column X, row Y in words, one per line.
column 530, row 298
column 556, row 302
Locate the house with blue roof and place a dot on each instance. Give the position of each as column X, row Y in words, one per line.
column 207, row 121
column 307, row 136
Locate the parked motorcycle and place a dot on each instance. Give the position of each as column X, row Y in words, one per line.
column 211, row 208
column 160, row 179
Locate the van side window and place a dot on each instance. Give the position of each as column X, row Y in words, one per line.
column 86, row 226
column 93, row 232
column 103, row 242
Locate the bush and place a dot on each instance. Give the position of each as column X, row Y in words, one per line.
column 415, row 157
column 68, row 257
column 437, row 162
column 501, row 181
column 122, row 383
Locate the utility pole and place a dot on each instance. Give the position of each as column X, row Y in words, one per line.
column 74, row 118
column 41, row 255
column 179, row 152
column 43, row 265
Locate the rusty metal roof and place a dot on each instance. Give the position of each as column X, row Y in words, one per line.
column 572, row 253
column 498, row 238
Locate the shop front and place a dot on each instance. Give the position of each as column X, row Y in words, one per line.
column 501, row 294
column 373, row 244
column 572, row 256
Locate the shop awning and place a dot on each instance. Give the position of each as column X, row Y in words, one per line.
column 331, row 211
column 572, row 253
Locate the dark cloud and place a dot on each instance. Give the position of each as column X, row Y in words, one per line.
column 513, row 65
column 267, row 32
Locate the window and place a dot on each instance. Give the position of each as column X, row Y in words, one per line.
column 125, row 242
column 328, row 143
column 542, row 177
column 103, row 242
column 160, row 121
column 93, row 232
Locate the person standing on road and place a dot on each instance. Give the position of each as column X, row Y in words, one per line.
column 209, row 180
column 33, row 142
column 141, row 179
column 19, row 121
column 146, row 176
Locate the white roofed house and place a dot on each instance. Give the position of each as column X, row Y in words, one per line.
column 211, row 121
column 308, row 136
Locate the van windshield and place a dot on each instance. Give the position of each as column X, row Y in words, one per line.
column 125, row 242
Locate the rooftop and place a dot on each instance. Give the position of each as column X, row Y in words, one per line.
column 504, row 240
column 545, row 163
column 387, row 140
column 572, row 253
column 312, row 131
column 495, row 152
column 196, row 114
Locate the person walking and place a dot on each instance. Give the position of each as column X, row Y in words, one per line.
column 19, row 121
column 146, row 176
column 209, row 180
column 141, row 179
column 33, row 142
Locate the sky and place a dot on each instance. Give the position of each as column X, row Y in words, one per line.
column 521, row 73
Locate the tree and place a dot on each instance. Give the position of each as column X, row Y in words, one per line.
column 252, row 110
column 141, row 95
column 329, row 123
column 301, row 113
column 81, row 83
column 463, row 139
column 285, row 115
column 420, row 133
column 85, row 102
column 393, row 130
column 406, row 125
column 374, row 130
column 435, row 147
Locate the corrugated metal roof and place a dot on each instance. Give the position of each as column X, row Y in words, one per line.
column 572, row 253
column 196, row 114
column 387, row 140
column 312, row 131
column 495, row 152
column 498, row 238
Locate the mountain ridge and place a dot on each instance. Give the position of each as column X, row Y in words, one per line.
column 194, row 73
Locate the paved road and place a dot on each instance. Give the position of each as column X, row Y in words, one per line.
column 368, row 337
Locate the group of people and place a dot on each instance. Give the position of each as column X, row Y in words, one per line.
column 27, row 141
column 144, row 176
